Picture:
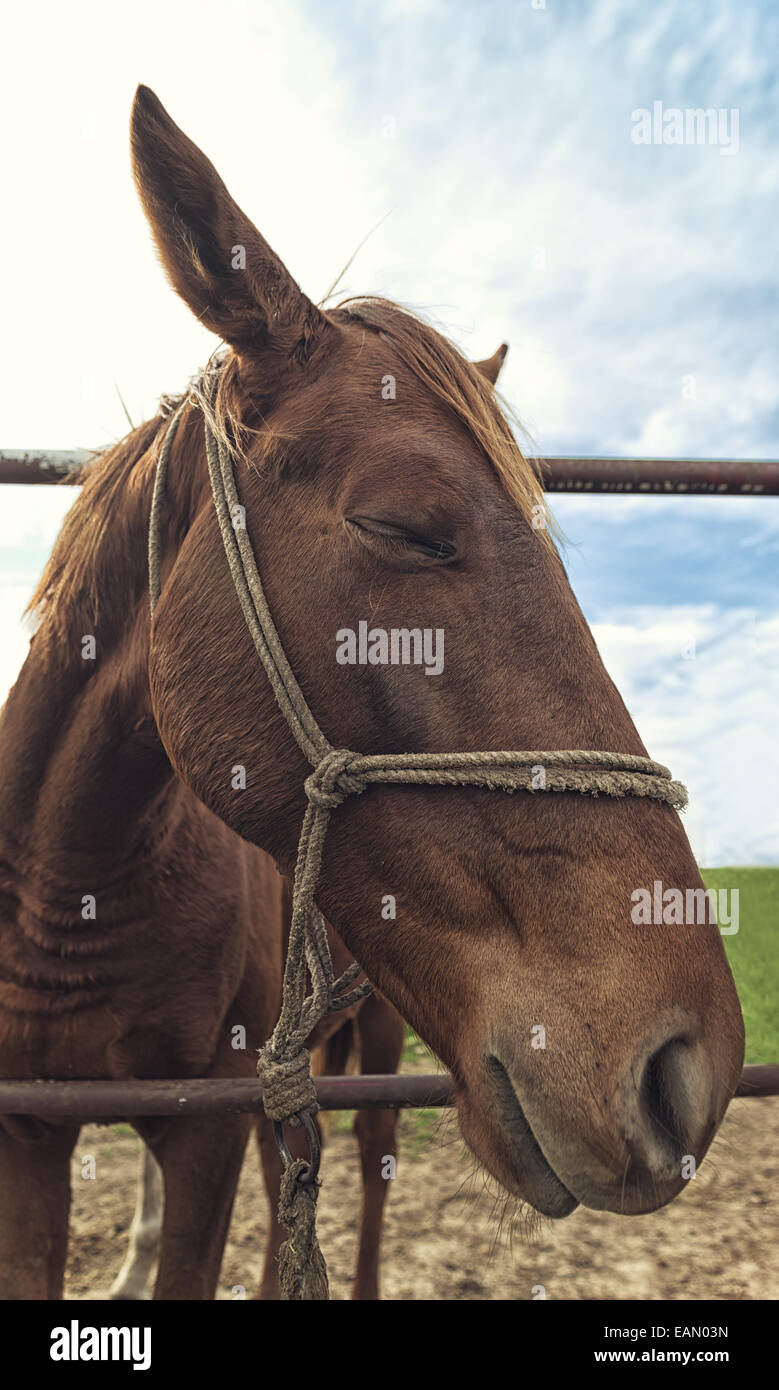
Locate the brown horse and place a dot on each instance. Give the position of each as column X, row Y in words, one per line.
column 383, row 483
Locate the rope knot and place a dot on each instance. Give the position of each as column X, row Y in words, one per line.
column 287, row 1085
column 331, row 781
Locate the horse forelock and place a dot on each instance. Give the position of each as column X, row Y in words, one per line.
column 439, row 365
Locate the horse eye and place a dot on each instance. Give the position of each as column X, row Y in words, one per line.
column 437, row 550
column 433, row 548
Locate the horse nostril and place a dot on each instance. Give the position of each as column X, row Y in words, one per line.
column 668, row 1116
column 666, row 1096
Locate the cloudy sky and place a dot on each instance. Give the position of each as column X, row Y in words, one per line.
column 492, row 147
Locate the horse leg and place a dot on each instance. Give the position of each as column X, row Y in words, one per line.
column 34, row 1207
column 145, row 1232
column 381, row 1033
column 201, row 1162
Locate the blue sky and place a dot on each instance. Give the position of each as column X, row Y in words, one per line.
column 636, row 284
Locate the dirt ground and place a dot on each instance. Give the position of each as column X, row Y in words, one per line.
column 447, row 1235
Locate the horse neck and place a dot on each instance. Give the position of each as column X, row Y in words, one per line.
column 85, row 776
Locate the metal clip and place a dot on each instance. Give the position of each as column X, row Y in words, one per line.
column 310, row 1173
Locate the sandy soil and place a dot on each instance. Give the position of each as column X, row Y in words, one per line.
column 446, row 1236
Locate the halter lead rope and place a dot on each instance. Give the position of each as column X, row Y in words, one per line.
column 284, row 1065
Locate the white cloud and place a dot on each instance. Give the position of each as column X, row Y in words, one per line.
column 32, row 516
column 675, row 429
column 14, row 636
column 751, row 521
column 699, row 682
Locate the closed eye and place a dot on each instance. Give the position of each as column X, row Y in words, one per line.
column 396, row 539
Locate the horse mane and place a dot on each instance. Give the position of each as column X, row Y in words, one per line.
column 85, row 579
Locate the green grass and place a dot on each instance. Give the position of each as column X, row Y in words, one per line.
column 418, row 1053
column 342, row 1121
column 753, row 954
column 420, row 1127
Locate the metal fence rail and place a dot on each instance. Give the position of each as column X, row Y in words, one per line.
column 691, row 477
column 118, row 1100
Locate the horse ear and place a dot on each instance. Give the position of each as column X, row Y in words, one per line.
column 490, row 366
column 213, row 254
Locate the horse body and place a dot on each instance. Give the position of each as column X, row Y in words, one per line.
column 112, row 848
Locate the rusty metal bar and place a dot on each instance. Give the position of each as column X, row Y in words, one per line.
column 109, row 1100
column 114, row 1100
column 662, row 477
column 42, row 465
column 117, row 1100
column 759, row 1081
